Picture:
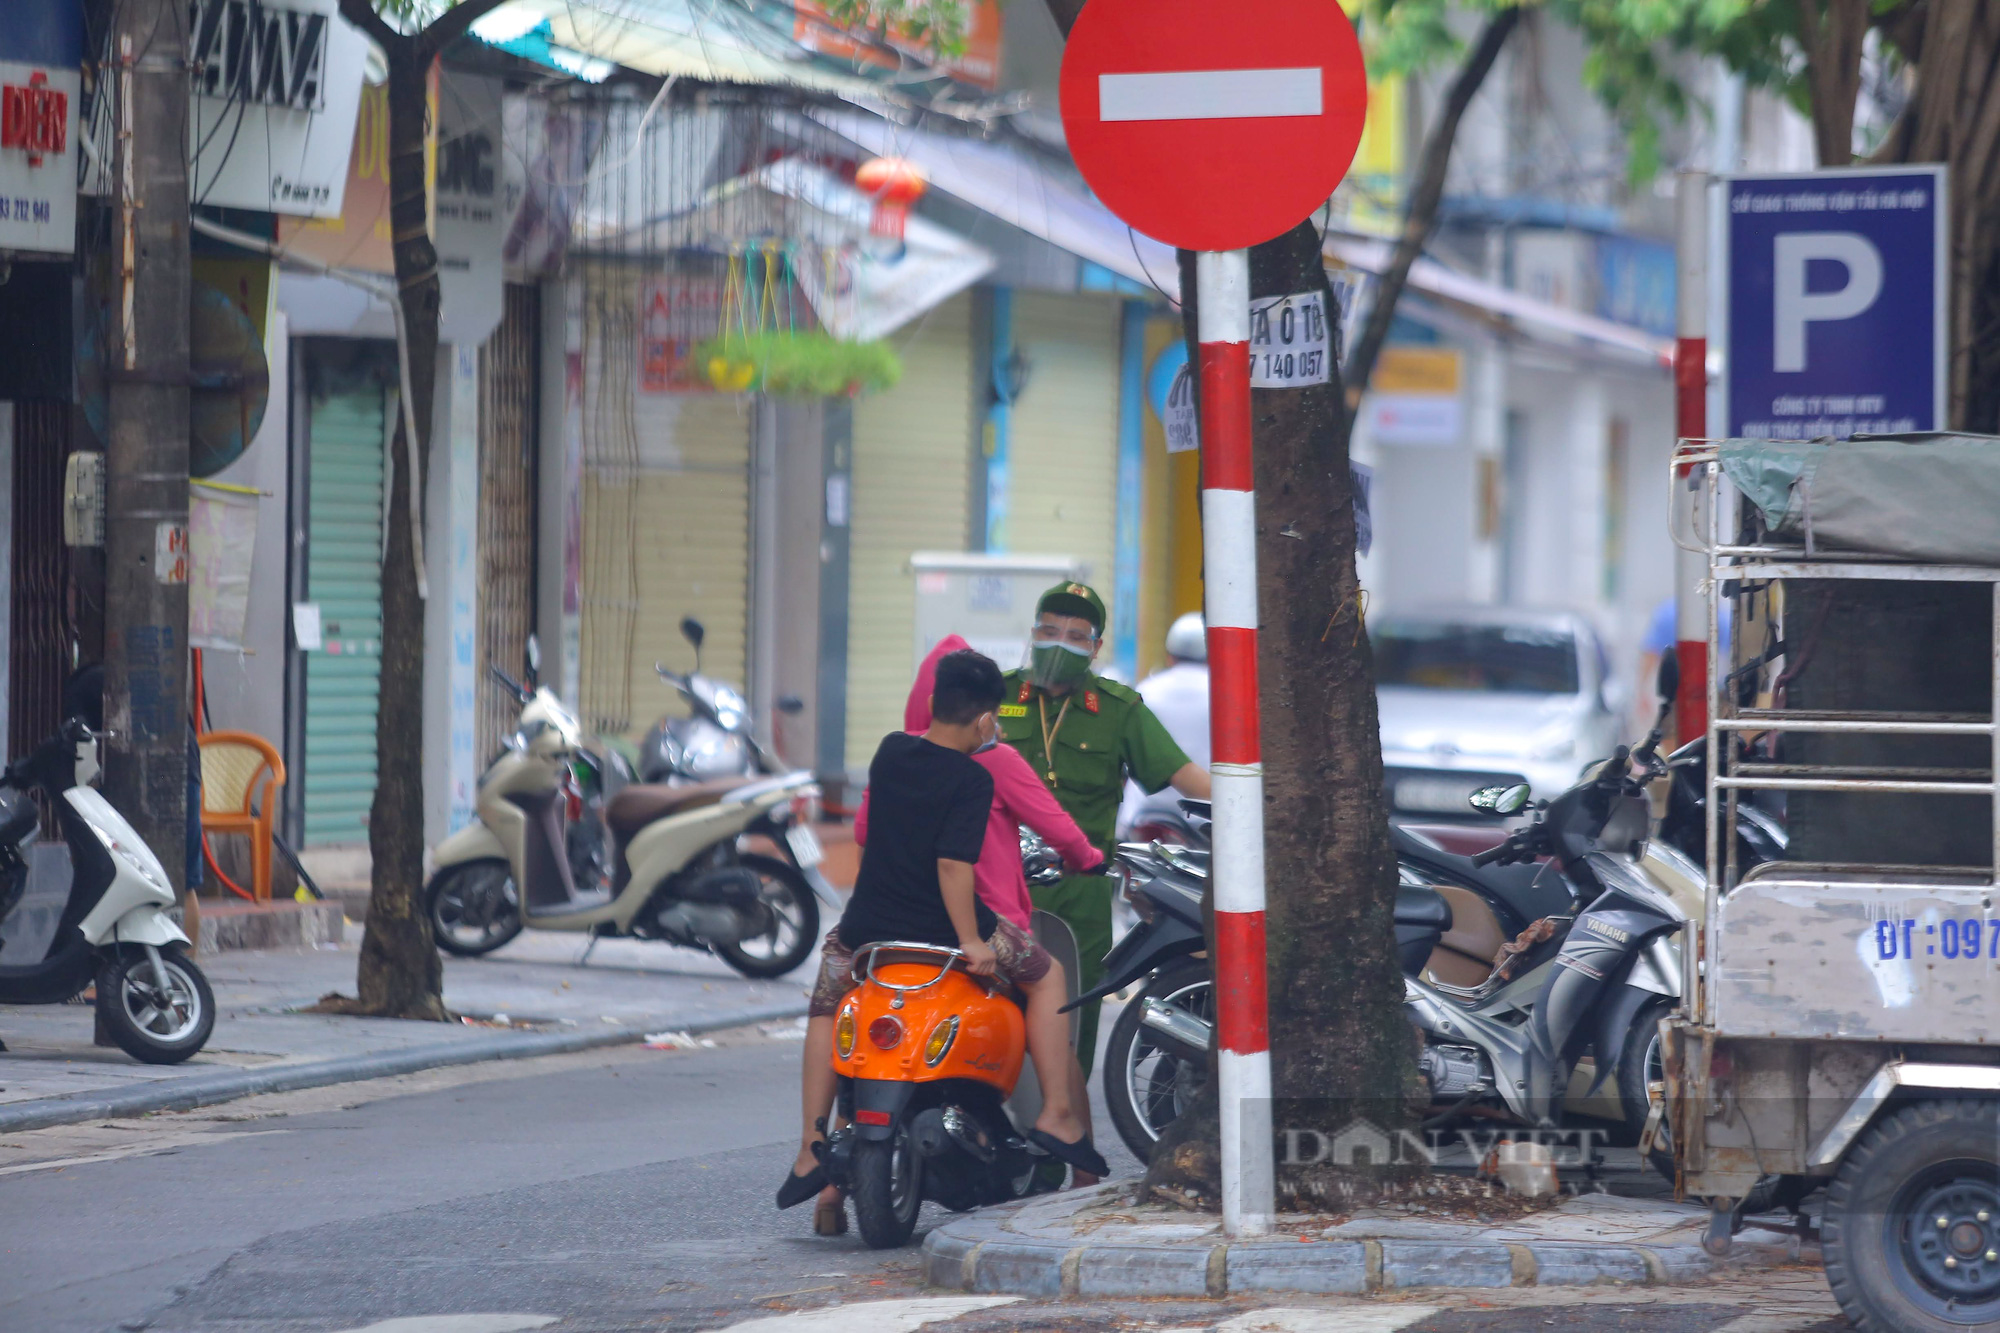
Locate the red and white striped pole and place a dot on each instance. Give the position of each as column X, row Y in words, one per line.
column 1229, row 571
column 1691, row 423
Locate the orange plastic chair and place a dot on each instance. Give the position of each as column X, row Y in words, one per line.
column 241, row 773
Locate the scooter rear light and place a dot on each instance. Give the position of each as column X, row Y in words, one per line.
column 844, row 1033
column 886, row 1033
column 871, row 1117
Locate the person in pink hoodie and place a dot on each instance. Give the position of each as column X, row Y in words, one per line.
column 1019, row 798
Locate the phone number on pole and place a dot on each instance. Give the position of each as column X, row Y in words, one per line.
column 1288, row 341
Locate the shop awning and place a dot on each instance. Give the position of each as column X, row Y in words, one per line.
column 692, row 39
column 1007, row 183
column 1537, row 319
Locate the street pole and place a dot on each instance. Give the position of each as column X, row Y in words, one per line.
column 1229, row 559
column 1691, row 423
column 146, row 463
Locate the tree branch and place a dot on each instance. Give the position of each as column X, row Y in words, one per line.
column 453, row 24
column 1065, row 13
column 363, row 15
column 1420, row 219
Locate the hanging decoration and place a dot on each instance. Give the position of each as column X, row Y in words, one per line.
column 761, row 346
column 894, row 184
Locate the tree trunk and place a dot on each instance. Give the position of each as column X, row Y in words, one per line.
column 1832, row 32
column 400, row 973
column 1914, row 647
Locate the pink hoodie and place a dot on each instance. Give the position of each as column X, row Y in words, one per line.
column 1018, row 798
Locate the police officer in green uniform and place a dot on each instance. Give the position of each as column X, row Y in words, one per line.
column 1083, row 734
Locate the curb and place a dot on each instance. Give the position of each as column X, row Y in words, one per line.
column 981, row 1254
column 226, row 1085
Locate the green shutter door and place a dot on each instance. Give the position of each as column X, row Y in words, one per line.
column 344, row 576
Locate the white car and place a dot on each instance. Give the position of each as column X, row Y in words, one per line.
column 1474, row 696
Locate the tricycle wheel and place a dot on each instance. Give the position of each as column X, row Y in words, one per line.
column 1911, row 1235
column 888, row 1189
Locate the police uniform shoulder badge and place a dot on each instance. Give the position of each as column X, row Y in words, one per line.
column 1090, row 700
column 1026, row 690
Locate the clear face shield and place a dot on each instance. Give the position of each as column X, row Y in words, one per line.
column 1059, row 652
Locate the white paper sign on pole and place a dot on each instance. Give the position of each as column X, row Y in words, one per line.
column 222, row 547
column 1180, row 419
column 1289, row 346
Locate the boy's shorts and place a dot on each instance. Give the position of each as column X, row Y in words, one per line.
column 1021, row 961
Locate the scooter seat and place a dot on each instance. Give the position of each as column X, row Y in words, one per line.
column 645, row 803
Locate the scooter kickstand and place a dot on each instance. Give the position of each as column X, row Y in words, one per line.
column 584, row 959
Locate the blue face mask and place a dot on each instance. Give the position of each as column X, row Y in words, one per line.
column 991, row 741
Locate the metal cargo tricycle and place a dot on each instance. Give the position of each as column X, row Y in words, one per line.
column 1842, row 1026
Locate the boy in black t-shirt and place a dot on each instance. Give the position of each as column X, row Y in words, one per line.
column 928, row 807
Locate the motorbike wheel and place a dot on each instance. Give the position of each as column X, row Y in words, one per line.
column 473, row 906
column 888, row 1190
column 1146, row 1087
column 158, row 1027
column 1911, row 1217
column 794, row 928
column 1641, row 1080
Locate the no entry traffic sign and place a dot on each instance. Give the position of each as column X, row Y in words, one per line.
column 1213, row 127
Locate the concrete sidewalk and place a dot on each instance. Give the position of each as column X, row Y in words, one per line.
column 1096, row 1242
column 530, row 998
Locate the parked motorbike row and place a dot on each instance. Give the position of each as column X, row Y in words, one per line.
column 1536, row 972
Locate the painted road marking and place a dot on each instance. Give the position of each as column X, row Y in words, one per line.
column 1348, row 1319
column 873, row 1316
column 1209, row 94
column 461, row 1323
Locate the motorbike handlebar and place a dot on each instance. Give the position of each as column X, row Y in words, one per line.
column 1492, row 854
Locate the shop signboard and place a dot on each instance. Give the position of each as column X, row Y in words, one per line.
column 276, row 90
column 40, row 99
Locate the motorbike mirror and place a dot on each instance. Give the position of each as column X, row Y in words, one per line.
column 692, row 631
column 1503, row 800
column 790, row 703
column 1667, row 680
column 534, row 656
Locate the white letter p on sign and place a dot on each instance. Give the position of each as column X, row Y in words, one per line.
column 1793, row 307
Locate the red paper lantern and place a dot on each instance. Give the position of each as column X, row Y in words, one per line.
column 895, row 184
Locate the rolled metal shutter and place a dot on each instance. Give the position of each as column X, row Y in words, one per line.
column 344, row 576
column 1062, row 489
column 507, row 473
column 911, row 492
column 666, row 522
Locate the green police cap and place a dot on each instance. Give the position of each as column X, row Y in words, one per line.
column 1074, row 599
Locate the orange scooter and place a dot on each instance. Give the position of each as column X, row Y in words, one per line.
column 933, row 1088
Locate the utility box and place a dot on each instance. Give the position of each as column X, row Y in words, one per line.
column 988, row 600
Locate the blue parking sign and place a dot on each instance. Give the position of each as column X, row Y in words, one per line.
column 1836, row 302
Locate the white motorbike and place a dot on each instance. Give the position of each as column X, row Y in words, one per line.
column 115, row 928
